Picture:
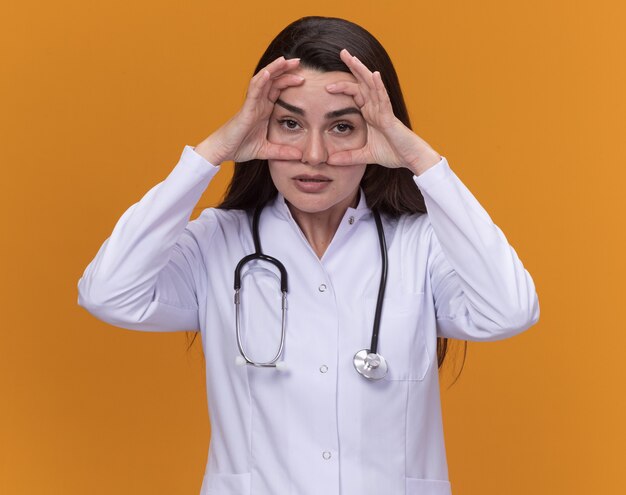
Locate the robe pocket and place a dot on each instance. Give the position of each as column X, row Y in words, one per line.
column 415, row 486
column 401, row 338
column 219, row 484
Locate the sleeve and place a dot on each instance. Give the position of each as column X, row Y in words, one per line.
column 481, row 289
column 144, row 276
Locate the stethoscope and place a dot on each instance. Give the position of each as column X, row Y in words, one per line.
column 367, row 362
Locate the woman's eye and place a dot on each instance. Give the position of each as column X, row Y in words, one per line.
column 344, row 128
column 288, row 124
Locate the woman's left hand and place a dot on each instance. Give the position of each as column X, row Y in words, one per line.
column 389, row 142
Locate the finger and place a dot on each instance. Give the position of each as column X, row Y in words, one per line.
column 350, row 157
column 364, row 72
column 257, row 83
column 381, row 91
column 348, row 88
column 283, row 82
column 358, row 69
column 362, row 77
column 265, row 91
column 273, row 151
column 349, row 60
column 281, row 65
column 273, row 70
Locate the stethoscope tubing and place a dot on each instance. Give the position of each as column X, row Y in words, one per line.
column 383, row 282
column 258, row 255
column 367, row 362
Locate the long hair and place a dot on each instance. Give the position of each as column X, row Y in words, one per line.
column 317, row 41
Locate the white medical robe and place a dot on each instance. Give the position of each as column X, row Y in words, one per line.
column 319, row 427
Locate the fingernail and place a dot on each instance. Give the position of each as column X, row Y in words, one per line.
column 331, row 86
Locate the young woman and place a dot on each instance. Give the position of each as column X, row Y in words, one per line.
column 384, row 252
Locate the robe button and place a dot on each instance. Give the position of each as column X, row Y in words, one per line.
column 323, row 368
column 326, row 455
column 351, row 220
column 322, row 288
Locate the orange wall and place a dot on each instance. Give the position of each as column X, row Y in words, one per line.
column 97, row 99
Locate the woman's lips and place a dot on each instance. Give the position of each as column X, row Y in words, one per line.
column 311, row 183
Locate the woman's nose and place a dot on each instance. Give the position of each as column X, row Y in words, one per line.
column 314, row 152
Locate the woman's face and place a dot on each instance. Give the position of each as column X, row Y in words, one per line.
column 318, row 123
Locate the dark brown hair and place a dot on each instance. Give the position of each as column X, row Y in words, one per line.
column 317, row 41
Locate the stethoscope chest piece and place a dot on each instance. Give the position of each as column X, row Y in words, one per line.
column 370, row 365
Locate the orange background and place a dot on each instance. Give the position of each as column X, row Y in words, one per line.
column 526, row 99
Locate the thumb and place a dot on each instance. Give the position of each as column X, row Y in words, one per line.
column 280, row 152
column 349, row 157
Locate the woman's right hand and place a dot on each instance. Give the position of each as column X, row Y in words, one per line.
column 244, row 136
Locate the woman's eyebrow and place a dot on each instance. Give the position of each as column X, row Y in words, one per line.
column 289, row 107
column 344, row 111
column 330, row 115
